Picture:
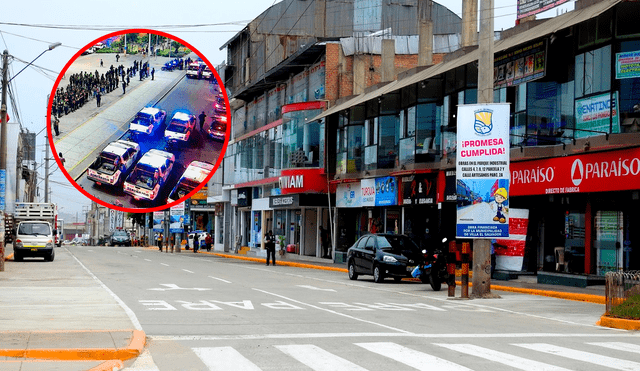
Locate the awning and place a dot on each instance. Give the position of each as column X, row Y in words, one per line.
column 545, row 28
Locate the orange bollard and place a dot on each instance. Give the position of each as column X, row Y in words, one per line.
column 466, row 249
column 451, row 269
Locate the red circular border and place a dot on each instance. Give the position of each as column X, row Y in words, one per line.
column 82, row 190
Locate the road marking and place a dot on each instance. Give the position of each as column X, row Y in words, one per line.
column 334, row 312
column 578, row 355
column 166, row 265
column 220, row 279
column 173, row 286
column 315, row 288
column 135, row 256
column 130, row 313
column 188, row 271
column 224, row 359
column 380, row 334
column 90, row 250
column 626, row 347
column 500, row 357
column 418, row 360
column 148, row 260
column 317, row 358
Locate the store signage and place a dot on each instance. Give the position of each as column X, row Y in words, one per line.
column 482, row 171
column 418, row 189
column 303, row 181
column 450, row 191
column 595, row 172
column 283, row 201
column 158, row 221
column 515, row 67
column 368, row 188
column 530, row 7
column 244, row 197
column 178, row 218
column 593, row 113
column 386, row 191
column 349, row 195
column 628, row 65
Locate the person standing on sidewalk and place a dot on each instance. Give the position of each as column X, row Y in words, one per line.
column 56, row 124
column 98, row 96
column 124, row 87
column 270, row 245
column 153, row 72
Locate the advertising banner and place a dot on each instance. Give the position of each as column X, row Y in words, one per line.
column 531, row 7
column 628, row 65
column 419, row 189
column 515, row 67
column 593, row 114
column 386, row 191
column 178, row 218
column 482, row 171
column 510, row 251
column 158, row 221
column 368, row 188
column 348, row 195
column 594, row 172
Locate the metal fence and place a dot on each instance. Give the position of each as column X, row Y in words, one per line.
column 620, row 286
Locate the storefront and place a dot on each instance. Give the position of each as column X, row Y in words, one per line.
column 583, row 207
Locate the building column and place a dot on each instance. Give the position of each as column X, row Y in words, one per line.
column 388, row 59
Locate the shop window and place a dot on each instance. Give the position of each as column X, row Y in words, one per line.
column 389, row 103
column 627, row 19
column 593, row 72
column 609, row 229
column 388, row 141
column 355, row 148
column 500, row 95
column 321, row 129
column 543, row 121
column 449, row 125
column 427, row 147
column 429, row 90
column 371, row 131
column 408, row 96
column 471, row 96
column 629, row 93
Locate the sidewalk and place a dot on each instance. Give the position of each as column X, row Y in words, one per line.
column 85, row 132
column 49, row 317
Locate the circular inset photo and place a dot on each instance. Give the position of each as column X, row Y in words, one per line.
column 138, row 120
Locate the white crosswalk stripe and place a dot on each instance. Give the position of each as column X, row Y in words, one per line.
column 410, row 357
column 605, row 361
column 224, row 359
column 619, row 346
column 501, row 357
column 318, row 359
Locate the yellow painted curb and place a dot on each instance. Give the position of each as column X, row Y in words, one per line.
column 596, row 299
column 138, row 340
column 109, row 365
column 619, row 323
column 278, row 262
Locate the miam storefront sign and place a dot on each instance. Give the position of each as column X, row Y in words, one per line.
column 594, row 172
column 303, row 181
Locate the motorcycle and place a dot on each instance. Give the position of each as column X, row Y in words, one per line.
column 434, row 268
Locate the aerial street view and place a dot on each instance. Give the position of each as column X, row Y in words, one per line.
column 358, row 185
column 129, row 123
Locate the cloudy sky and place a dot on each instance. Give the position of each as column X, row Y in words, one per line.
column 28, row 27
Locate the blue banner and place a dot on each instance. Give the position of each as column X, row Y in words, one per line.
column 3, row 188
column 386, row 191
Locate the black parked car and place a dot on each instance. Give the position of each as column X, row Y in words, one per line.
column 383, row 255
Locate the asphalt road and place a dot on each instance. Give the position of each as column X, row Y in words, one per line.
column 202, row 312
column 190, row 95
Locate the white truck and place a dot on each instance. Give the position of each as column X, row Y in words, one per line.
column 35, row 232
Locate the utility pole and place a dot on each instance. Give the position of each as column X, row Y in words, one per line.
column 3, row 150
column 46, row 169
column 482, row 247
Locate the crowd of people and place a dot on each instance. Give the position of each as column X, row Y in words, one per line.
column 84, row 86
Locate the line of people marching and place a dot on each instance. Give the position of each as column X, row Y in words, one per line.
column 200, row 240
column 84, row 86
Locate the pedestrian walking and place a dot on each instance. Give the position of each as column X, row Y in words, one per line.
column 202, row 117
column 98, row 96
column 196, row 242
column 62, row 160
column 101, row 64
column 208, row 241
column 153, row 71
column 159, row 240
column 270, row 245
column 324, row 240
column 56, row 123
column 124, row 87
column 117, row 58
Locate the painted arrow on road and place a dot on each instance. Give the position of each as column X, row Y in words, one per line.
column 172, row 286
column 315, row 288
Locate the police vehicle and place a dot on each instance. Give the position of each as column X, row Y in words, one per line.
column 114, row 162
column 219, row 105
column 194, row 70
column 206, row 73
column 147, row 121
column 149, row 175
column 195, row 173
column 179, row 129
column 218, row 128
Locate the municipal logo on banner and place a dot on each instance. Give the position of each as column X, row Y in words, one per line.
column 482, row 171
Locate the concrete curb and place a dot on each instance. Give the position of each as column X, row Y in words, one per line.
column 619, row 323
column 135, row 347
column 108, row 366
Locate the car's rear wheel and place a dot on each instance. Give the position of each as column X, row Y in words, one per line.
column 377, row 274
column 17, row 256
column 397, row 279
column 352, row 271
column 434, row 281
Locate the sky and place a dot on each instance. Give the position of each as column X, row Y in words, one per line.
column 28, row 27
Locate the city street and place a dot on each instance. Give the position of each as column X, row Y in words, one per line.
column 205, row 312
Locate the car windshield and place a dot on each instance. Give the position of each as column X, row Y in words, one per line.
column 144, row 118
column 177, row 127
column 396, row 244
column 144, row 176
column 183, row 188
column 34, row 229
column 120, row 233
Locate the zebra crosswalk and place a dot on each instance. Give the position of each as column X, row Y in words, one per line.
column 438, row 356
